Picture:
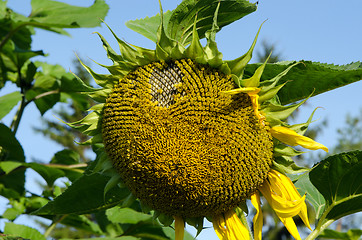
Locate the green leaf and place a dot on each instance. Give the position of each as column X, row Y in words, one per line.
column 11, row 150
column 179, row 22
column 8, row 102
column 313, row 196
column 107, row 238
column 126, row 215
column 26, row 232
column 338, row 179
column 183, row 17
column 308, row 77
column 53, row 15
column 352, row 234
column 85, row 195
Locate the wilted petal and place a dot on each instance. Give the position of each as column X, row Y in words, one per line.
column 258, row 218
column 229, row 227
column 291, row 227
column 284, row 198
column 290, row 137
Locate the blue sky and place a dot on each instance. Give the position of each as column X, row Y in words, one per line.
column 324, row 31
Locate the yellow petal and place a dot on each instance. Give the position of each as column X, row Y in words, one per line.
column 283, row 207
column 304, row 216
column 290, row 137
column 229, row 227
column 258, row 218
column 179, row 228
column 291, row 227
column 281, row 194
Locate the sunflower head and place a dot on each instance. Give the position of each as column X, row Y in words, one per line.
column 181, row 145
column 186, row 132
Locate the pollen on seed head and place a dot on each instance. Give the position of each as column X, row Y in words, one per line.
column 181, row 146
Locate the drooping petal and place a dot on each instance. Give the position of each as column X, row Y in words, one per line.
column 284, row 198
column 292, row 138
column 229, row 227
column 280, row 181
column 282, row 206
column 258, row 218
column 179, row 228
column 291, row 227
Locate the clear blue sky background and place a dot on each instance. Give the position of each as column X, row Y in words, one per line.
column 327, row 31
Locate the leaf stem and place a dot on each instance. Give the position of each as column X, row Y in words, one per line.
column 52, row 226
column 16, row 120
column 320, row 227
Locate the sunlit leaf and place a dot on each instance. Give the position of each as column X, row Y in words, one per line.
column 352, row 234
column 126, row 215
column 22, row 231
column 53, row 15
column 308, row 77
column 338, row 179
column 8, row 102
column 183, row 17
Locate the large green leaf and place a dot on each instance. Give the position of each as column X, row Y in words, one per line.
column 51, row 15
column 183, row 17
column 26, row 232
column 11, row 150
column 126, row 215
column 8, row 102
column 180, row 21
column 352, row 234
column 85, row 195
column 308, row 77
column 338, row 179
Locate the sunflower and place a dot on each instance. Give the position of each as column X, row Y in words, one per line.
column 191, row 137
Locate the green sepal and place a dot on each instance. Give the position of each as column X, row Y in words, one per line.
column 283, row 150
column 88, row 125
column 302, row 127
column 237, row 65
column 195, row 50
column 164, row 44
column 100, row 95
column 165, row 219
column 128, row 53
column 276, row 111
column 286, row 165
column 130, row 199
column 196, row 222
column 265, row 96
column 212, row 54
column 254, row 81
column 266, row 85
column 110, row 52
column 94, row 140
column 103, row 80
column 114, row 181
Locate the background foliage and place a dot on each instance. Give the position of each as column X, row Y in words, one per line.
column 83, row 209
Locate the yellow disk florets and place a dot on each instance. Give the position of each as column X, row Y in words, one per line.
column 181, row 145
